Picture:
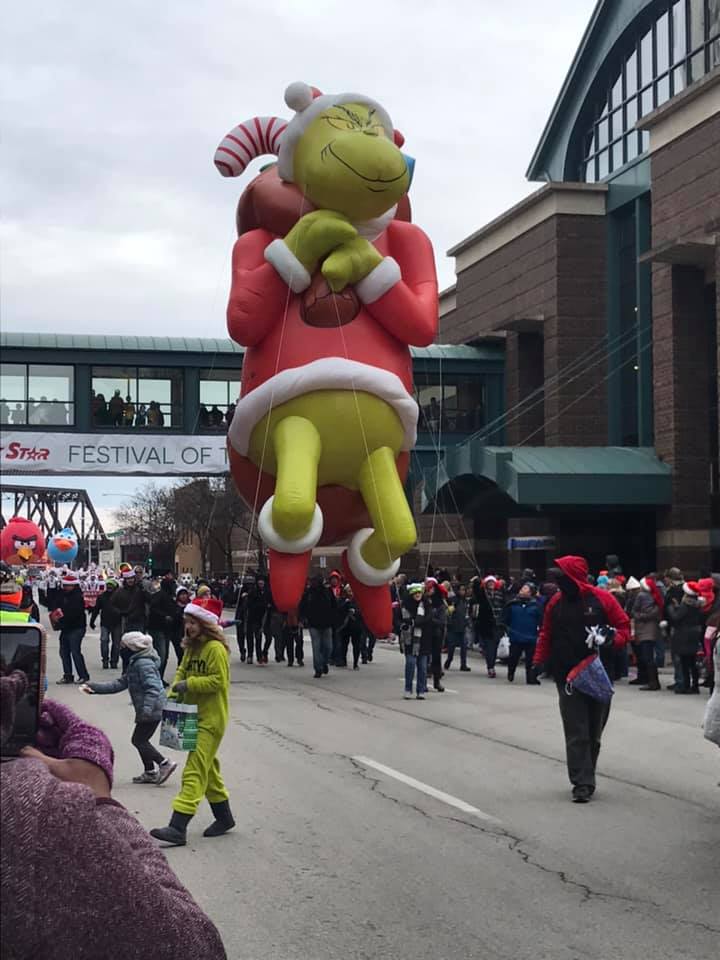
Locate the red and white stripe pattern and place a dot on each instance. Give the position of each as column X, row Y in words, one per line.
column 248, row 140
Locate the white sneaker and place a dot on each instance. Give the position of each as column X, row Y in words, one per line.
column 407, row 696
column 166, row 770
column 147, row 776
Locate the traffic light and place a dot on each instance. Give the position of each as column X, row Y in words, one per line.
column 150, row 563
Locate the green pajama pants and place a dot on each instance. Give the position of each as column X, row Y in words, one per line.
column 201, row 776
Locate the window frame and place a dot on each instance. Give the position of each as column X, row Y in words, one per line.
column 172, row 411
column 628, row 144
column 68, row 406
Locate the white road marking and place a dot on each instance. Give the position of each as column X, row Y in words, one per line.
column 426, row 788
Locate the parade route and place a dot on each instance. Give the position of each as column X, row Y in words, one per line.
column 373, row 827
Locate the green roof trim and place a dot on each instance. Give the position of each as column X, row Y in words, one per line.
column 75, row 341
column 554, row 476
column 100, row 342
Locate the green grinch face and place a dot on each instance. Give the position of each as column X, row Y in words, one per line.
column 346, row 161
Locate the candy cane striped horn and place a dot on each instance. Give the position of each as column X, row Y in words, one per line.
column 253, row 138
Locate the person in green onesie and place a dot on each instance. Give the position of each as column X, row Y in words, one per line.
column 203, row 678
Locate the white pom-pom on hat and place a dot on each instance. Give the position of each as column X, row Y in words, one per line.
column 299, row 96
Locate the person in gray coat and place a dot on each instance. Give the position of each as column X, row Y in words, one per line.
column 646, row 614
column 144, row 683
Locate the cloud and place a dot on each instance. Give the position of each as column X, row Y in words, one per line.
column 114, row 217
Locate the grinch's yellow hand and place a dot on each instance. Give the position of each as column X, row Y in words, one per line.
column 350, row 263
column 316, row 234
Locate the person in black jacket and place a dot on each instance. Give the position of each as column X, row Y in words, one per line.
column 258, row 602
column 415, row 638
column 351, row 629
column 480, row 613
column 129, row 602
column 161, row 620
column 318, row 608
column 72, row 629
column 110, row 632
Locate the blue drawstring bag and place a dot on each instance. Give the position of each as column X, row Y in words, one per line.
column 590, row 677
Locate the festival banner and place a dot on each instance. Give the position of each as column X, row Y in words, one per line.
column 28, row 452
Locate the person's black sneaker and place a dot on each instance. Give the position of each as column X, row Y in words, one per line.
column 695, row 689
column 113, row 664
column 326, row 669
column 439, row 687
column 447, row 665
column 301, row 663
column 317, row 675
column 581, row 794
column 106, row 665
column 64, row 680
column 465, row 669
column 682, row 690
column 242, row 656
column 355, row 667
column 250, row 660
column 511, row 674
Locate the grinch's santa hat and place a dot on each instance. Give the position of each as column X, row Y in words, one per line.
column 271, row 135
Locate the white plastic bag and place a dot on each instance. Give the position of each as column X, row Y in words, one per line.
column 503, row 650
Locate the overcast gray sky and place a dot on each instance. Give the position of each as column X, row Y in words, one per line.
column 114, row 218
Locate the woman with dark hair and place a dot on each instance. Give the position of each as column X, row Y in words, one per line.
column 435, row 594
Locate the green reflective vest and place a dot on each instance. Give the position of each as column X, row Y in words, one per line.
column 13, row 616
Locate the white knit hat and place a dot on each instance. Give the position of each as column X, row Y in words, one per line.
column 200, row 613
column 272, row 135
column 136, row 640
column 632, row 584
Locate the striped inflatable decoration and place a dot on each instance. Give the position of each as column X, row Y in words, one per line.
column 253, row 138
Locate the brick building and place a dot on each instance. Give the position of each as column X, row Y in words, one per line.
column 603, row 285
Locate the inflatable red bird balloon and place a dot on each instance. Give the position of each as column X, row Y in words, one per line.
column 21, row 542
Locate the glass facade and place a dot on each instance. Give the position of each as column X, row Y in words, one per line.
column 38, row 395
column 456, row 406
column 130, row 397
column 219, row 389
column 680, row 45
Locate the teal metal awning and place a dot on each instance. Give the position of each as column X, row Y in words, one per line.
column 556, row 476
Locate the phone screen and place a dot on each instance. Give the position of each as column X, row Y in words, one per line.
column 21, row 649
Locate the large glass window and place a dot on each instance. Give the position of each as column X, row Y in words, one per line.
column 679, row 46
column 136, row 397
column 219, row 390
column 456, row 406
column 39, row 395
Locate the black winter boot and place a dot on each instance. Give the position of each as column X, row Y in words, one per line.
column 175, row 834
column 223, row 819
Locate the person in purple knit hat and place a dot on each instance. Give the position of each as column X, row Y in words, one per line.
column 81, row 879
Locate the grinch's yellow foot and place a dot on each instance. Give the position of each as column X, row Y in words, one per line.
column 368, row 573
column 274, row 539
column 297, row 451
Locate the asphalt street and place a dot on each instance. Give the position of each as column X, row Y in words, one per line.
column 373, row 827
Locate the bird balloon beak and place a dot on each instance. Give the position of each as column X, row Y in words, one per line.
column 25, row 552
column 63, row 544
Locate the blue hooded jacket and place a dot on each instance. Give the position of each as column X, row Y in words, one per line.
column 522, row 617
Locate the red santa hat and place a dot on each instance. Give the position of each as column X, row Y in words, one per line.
column 649, row 585
column 201, row 613
column 69, row 577
column 271, row 135
column 691, row 588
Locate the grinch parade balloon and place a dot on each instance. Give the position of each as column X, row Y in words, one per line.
column 331, row 285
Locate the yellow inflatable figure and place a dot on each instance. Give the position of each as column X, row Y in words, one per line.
column 327, row 299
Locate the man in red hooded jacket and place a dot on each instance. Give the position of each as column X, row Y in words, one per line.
column 562, row 644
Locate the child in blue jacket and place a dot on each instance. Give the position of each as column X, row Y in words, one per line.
column 147, row 693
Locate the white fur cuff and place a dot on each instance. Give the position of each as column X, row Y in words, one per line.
column 370, row 576
column 275, row 541
column 288, row 266
column 377, row 283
